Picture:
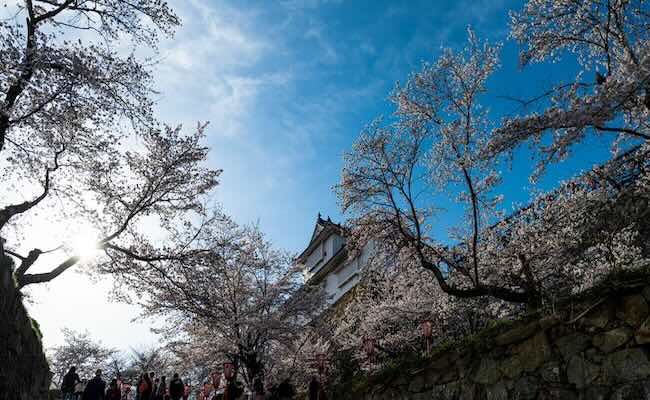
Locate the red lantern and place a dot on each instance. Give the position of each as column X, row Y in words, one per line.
column 369, row 346
column 228, row 370
column 216, row 380
column 427, row 328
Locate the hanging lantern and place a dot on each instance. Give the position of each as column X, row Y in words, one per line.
column 427, row 328
column 228, row 370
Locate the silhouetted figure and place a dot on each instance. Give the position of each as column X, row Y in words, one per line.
column 69, row 382
column 113, row 391
column 145, row 387
column 161, row 389
column 154, row 390
column 95, row 388
column 176, row 388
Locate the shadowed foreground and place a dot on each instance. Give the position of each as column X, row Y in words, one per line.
column 24, row 372
column 593, row 348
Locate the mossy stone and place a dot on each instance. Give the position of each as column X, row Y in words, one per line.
column 611, row 340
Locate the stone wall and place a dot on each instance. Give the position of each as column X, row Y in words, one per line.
column 596, row 349
column 24, row 372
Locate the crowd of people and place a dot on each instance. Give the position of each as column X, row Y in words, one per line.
column 148, row 387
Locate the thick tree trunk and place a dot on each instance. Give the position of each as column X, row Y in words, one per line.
column 255, row 372
column 24, row 371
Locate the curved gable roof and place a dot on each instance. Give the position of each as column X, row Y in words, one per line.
column 322, row 230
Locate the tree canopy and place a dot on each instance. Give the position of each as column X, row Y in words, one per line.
column 80, row 139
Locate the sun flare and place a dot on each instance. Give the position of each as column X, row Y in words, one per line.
column 83, row 243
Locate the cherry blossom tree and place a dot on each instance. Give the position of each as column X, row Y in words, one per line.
column 434, row 144
column 440, row 139
column 394, row 297
column 79, row 144
column 239, row 301
column 156, row 359
column 437, row 141
column 563, row 242
column 608, row 37
column 298, row 361
column 87, row 355
column 81, row 351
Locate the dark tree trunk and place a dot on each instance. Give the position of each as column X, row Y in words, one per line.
column 24, row 372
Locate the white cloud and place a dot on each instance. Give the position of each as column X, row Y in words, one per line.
column 298, row 5
column 329, row 55
column 209, row 66
column 215, row 38
column 233, row 100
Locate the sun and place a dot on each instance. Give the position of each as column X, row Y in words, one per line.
column 83, row 243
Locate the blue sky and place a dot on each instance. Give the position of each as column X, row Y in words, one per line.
column 287, row 86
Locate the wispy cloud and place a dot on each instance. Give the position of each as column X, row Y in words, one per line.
column 328, row 53
column 232, row 100
column 300, row 5
column 212, row 64
column 215, row 38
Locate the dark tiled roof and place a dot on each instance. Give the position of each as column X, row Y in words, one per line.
column 322, row 230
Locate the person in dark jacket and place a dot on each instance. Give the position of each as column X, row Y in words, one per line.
column 113, row 392
column 95, row 388
column 161, row 389
column 69, row 382
column 154, row 389
column 176, row 388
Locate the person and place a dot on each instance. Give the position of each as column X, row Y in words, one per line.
column 145, row 387
column 126, row 391
column 113, row 392
column 95, row 388
column 207, row 390
column 313, row 388
column 120, row 381
column 176, row 388
column 69, row 382
column 186, row 391
column 136, row 389
column 161, row 389
column 154, row 389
